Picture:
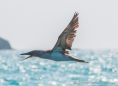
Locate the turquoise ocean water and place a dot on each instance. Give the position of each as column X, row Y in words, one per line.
column 101, row 71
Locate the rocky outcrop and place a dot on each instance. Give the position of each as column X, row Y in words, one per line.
column 4, row 44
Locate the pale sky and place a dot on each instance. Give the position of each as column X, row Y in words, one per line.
column 36, row 24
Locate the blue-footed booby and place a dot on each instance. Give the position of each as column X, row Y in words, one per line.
column 64, row 42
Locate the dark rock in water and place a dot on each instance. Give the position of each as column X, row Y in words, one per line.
column 4, row 44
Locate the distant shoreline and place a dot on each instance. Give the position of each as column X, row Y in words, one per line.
column 5, row 45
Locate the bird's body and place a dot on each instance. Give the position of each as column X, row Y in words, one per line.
column 65, row 40
column 56, row 56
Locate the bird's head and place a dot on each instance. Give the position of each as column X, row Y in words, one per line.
column 31, row 54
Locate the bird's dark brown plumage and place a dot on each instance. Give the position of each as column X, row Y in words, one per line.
column 66, row 38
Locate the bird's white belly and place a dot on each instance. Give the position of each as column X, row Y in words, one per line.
column 56, row 56
column 59, row 57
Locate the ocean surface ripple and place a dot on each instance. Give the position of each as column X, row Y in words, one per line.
column 101, row 71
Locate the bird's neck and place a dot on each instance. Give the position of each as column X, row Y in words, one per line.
column 41, row 53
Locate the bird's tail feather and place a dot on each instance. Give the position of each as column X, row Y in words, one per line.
column 78, row 60
column 81, row 61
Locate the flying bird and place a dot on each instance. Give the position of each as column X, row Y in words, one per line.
column 59, row 51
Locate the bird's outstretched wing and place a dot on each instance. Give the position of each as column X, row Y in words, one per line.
column 66, row 38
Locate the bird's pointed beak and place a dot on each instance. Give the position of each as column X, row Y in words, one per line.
column 24, row 54
column 26, row 57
